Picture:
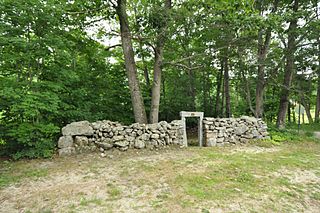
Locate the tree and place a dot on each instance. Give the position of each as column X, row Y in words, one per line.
column 157, row 70
column 289, row 68
column 136, row 96
column 263, row 47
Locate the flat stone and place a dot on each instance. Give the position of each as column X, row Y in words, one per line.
column 67, row 151
column 255, row 133
column 244, row 140
column 122, row 143
column 248, row 136
column 129, row 138
column 124, row 148
column 252, row 120
column 241, row 129
column 118, row 138
column 155, row 136
column 65, row 141
column 104, row 146
column 139, row 132
column 78, row 128
column 144, row 137
column 220, row 140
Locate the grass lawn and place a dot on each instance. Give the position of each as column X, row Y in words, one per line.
column 258, row 177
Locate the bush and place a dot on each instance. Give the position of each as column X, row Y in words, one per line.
column 32, row 140
column 27, row 127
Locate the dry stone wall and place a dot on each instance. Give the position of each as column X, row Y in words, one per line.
column 83, row 136
column 223, row 131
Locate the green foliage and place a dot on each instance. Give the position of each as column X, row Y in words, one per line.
column 53, row 73
column 267, row 143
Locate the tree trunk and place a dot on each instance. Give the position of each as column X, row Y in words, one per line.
column 289, row 112
column 222, row 97
column 219, row 84
column 136, row 97
column 247, row 91
column 307, row 108
column 317, row 112
column 289, row 68
column 157, row 70
column 145, row 70
column 192, row 88
column 263, row 47
column 261, row 73
column 227, row 87
column 156, row 87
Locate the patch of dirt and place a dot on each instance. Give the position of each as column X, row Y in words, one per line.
column 299, row 176
column 254, row 149
column 306, row 181
column 76, row 183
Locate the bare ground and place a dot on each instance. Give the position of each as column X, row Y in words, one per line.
column 148, row 181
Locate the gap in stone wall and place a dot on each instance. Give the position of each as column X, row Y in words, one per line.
column 192, row 131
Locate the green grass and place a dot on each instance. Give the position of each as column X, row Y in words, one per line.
column 113, row 191
column 261, row 176
column 291, row 133
column 91, row 201
column 248, row 174
column 229, row 176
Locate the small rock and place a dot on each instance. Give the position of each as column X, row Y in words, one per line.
column 67, row 151
column 139, row 144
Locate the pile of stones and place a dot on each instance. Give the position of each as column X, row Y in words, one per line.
column 223, row 131
column 79, row 137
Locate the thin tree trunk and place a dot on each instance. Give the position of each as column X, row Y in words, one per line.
column 205, row 92
column 156, row 87
column 306, row 107
column 317, row 112
column 192, row 89
column 155, row 99
column 289, row 112
column 293, row 114
column 136, row 96
column 289, row 69
column 144, row 66
column 247, row 91
column 263, row 47
column 219, row 83
column 145, row 70
column 222, row 97
column 227, row 87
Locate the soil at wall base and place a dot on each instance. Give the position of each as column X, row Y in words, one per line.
column 192, row 136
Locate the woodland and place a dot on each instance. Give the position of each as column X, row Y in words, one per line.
column 146, row 60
